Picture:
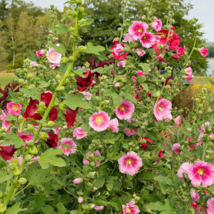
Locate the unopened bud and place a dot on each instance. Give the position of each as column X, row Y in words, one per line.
column 33, row 150
column 22, row 180
column 43, row 136
column 81, row 49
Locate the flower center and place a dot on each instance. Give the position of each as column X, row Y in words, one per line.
column 99, row 120
column 145, row 38
column 129, row 161
column 122, row 108
column 200, row 171
column 128, row 210
column 52, row 56
column 139, row 30
column 15, row 107
column 159, row 108
column 163, row 35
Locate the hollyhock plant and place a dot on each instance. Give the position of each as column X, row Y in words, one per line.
column 84, row 83
column 157, row 24
column 52, row 140
column 95, row 154
column 202, row 128
column 99, row 121
column 80, row 200
column 70, row 116
column 6, row 124
column 53, row 56
column 144, row 145
column 14, row 108
column 40, row 53
column 25, row 136
column 113, row 125
column 210, row 206
column 130, row 132
column 204, row 51
column 7, row 152
column 176, row 148
column 148, row 40
column 184, row 168
column 174, row 41
column 79, row 133
column 125, row 110
column 121, row 64
column 134, row 79
column 77, row 181
column 181, row 51
column 69, row 142
column 138, row 29
column 140, row 73
column 119, row 54
column 175, row 56
column 177, row 120
column 140, row 52
column 130, row 208
column 163, row 33
column 128, row 38
column 130, row 163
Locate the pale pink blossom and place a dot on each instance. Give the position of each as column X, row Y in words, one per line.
column 210, row 206
column 79, row 133
column 141, row 52
column 6, row 124
column 128, row 38
column 34, row 64
column 194, row 195
column 148, row 40
column 50, row 31
column 20, row 160
column 184, row 168
column 40, row 53
column 162, row 110
column 177, row 120
column 203, row 51
column 130, row 132
column 77, row 181
column 201, row 172
column 130, row 163
column 134, row 79
column 113, row 125
column 181, row 51
column 99, row 208
column 69, row 142
column 99, row 121
column 53, row 66
column 202, row 128
column 87, row 95
column 138, row 29
column 157, row 24
column 53, row 56
column 121, row 63
column 118, row 50
column 80, row 200
column 116, row 85
column 14, row 108
column 130, row 208
column 56, row 40
column 141, row 73
column 188, row 71
column 125, row 110
column 176, row 149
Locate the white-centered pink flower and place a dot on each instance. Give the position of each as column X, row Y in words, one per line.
column 6, row 124
column 194, row 195
column 140, row 52
column 34, row 64
column 177, row 120
column 69, row 142
column 204, row 51
column 130, row 132
column 40, row 53
column 157, row 24
column 121, row 64
column 184, row 168
column 118, row 50
column 148, row 40
column 138, row 29
column 201, row 172
column 113, row 125
column 210, row 206
column 125, row 110
column 130, row 163
column 140, row 73
column 130, row 208
column 79, row 133
column 99, row 208
column 14, row 108
column 162, row 110
column 87, row 95
column 99, row 121
column 77, row 181
column 53, row 56
column 176, row 148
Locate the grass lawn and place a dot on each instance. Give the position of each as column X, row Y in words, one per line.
column 202, row 80
column 5, row 78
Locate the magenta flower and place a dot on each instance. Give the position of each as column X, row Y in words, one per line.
column 113, row 125
column 87, row 95
column 141, row 52
column 125, row 110
column 128, row 38
column 118, row 52
column 34, row 64
column 141, row 73
column 148, row 40
column 175, row 56
column 184, row 168
column 130, row 132
column 77, row 181
column 79, row 133
column 210, row 206
column 99, row 208
column 53, row 56
column 177, row 120
column 6, row 124
column 134, row 79
column 26, row 137
column 188, row 74
column 201, row 172
column 203, row 51
column 162, row 110
column 130, row 208
column 157, row 24
column 176, row 149
column 69, row 142
column 194, row 195
column 121, row 63
column 14, row 108
column 130, row 163
column 181, row 51
column 40, row 53
column 99, row 121
column 202, row 128
column 138, row 29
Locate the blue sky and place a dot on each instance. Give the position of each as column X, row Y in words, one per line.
column 203, row 10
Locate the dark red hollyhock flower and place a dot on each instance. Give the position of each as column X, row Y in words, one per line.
column 167, row 81
column 84, row 83
column 122, row 56
column 194, row 205
column 52, row 140
column 160, row 155
column 70, row 116
column 175, row 56
column 144, row 145
column 7, row 152
column 46, row 97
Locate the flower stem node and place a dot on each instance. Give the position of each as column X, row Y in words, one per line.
column 22, row 180
column 33, row 150
column 81, row 49
column 3, row 208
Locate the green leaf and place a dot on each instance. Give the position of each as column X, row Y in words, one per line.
column 13, row 139
column 4, row 176
column 14, row 209
column 156, row 206
column 116, row 203
column 99, row 182
column 141, row 79
column 110, row 183
column 75, row 100
column 100, row 70
column 60, row 28
column 87, row 22
column 145, row 176
column 164, row 180
column 61, row 49
column 33, row 93
column 61, row 208
column 90, row 49
column 74, row 212
column 79, row 72
column 145, row 67
column 131, row 98
column 38, row 44
column 1, row 95
column 50, row 157
column 199, row 151
column 32, row 56
column 117, row 99
column 43, row 84
column 48, row 209
column 63, row 68
column 145, row 87
column 10, row 118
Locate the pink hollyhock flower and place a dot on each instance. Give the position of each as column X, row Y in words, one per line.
column 119, row 54
column 210, row 206
column 177, row 120
column 189, row 78
column 53, row 66
column 113, row 125
column 201, row 172
column 194, row 195
column 99, row 121
column 79, row 133
column 134, row 79
column 202, row 128
column 181, row 51
column 130, row 208
column 174, row 41
column 34, row 64
column 203, row 51
column 80, row 200
column 141, row 52
column 7, row 152
column 184, row 168
column 176, row 149
column 99, row 208
column 175, row 56
column 87, row 95
column 121, row 63
column 26, row 137
column 53, row 56
column 40, row 53
column 50, row 31
column 116, row 85
column 128, row 38
column 77, row 181
column 162, row 110
column 114, row 40
column 96, row 154
column 138, row 29
column 118, row 50
column 130, row 132
column 69, row 142
column 56, row 40
column 157, row 24
column 188, row 71
column 130, row 163
column 125, row 110
column 141, row 73
column 6, row 124
column 14, row 108
column 148, row 40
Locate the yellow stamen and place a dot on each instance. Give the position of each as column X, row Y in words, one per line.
column 128, row 210
column 15, row 107
column 122, row 108
column 99, row 120
column 139, row 30
column 200, row 171
column 129, row 161
column 159, row 108
column 52, row 56
column 144, row 37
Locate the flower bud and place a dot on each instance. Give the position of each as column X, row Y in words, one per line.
column 22, row 180
column 92, row 163
column 80, row 200
column 29, row 76
column 17, row 171
column 30, row 127
column 69, row 12
column 43, row 136
column 51, row 123
column 61, row 88
column 3, row 208
column 80, row 193
column 81, row 9
column 21, row 81
column 81, row 49
column 28, row 157
column 33, row 150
